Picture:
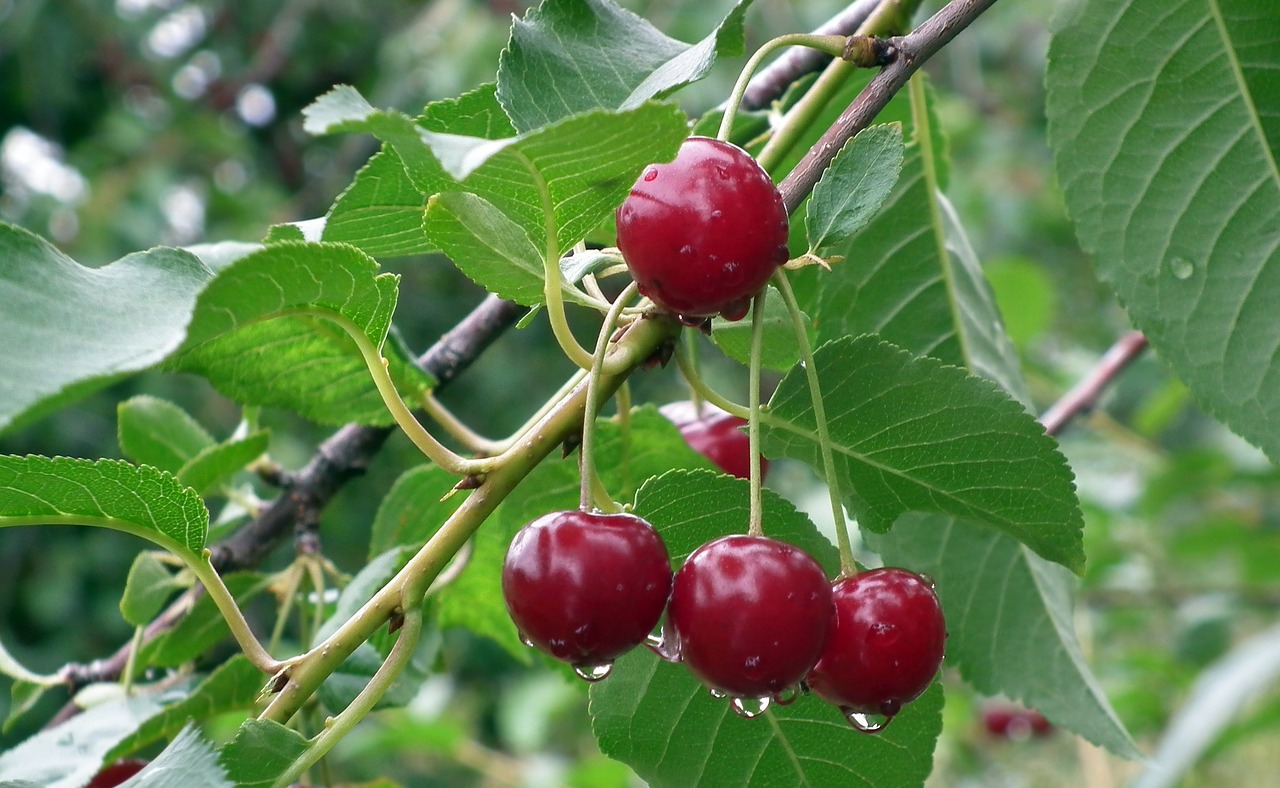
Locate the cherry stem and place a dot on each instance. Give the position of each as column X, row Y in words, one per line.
column 848, row 565
column 587, row 456
column 831, row 45
column 451, row 424
column 690, row 341
column 755, row 525
column 699, row 386
column 231, row 613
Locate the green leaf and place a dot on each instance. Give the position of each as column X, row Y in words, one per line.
column 203, row 627
column 381, row 211
column 234, row 685
column 911, row 434
column 570, row 56
column 658, row 719
column 68, row 755
column 493, row 251
column 260, row 752
column 218, row 463
column 1010, row 621
column 579, row 169
column 264, row 333
column 692, row 507
column 855, row 186
column 69, row 330
column 779, row 349
column 153, row 431
column 135, row 499
column 148, row 587
column 1169, row 157
column 416, row 506
column 188, row 762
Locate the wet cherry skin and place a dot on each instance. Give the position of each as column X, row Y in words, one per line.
column 885, row 645
column 702, row 234
column 750, row 614
column 586, row 587
column 716, row 435
column 116, row 773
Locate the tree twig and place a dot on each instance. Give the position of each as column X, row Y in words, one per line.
column 1084, row 395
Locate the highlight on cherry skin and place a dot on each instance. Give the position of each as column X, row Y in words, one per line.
column 586, row 587
column 885, row 645
column 716, row 435
column 703, row 234
column 748, row 616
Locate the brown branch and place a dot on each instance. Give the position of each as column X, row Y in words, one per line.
column 910, row 52
column 1084, row 395
column 773, row 80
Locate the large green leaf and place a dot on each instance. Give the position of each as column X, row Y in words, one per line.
column 1010, row 621
column 135, row 499
column 156, row 432
column 69, row 329
column 1165, row 127
column 263, row 332
column 659, row 720
column 855, row 186
column 910, row 434
column 569, row 56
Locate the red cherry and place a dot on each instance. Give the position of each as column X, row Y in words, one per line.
column 116, row 773
column 750, row 614
column 1007, row 721
column 702, row 234
column 586, row 587
column 716, row 435
column 886, row 642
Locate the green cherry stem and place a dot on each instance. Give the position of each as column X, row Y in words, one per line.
column 226, row 604
column 701, row 389
column 587, row 451
column 755, row 525
column 338, row 727
column 831, row 45
column 848, row 564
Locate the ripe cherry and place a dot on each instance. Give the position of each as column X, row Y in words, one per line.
column 750, row 615
column 1008, row 721
column 585, row 587
column 885, row 645
column 716, row 435
column 702, row 234
column 116, row 773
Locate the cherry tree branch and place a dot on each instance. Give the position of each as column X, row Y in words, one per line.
column 908, row 54
column 1084, row 395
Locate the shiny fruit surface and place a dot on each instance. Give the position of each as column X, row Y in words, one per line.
column 750, row 614
column 716, row 435
column 585, row 587
column 704, row 233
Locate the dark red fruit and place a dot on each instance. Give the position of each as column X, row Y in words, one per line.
column 885, row 645
column 586, row 587
column 716, row 435
column 750, row 614
column 1007, row 721
column 703, row 234
column 116, row 773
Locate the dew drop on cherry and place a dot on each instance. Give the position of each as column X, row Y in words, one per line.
column 594, row 673
column 787, row 696
column 525, row 639
column 866, row 723
column 749, row 708
column 651, row 174
column 717, row 694
column 665, row 644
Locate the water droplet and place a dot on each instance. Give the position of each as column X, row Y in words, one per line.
column 717, row 214
column 525, row 639
column 593, row 673
column 651, row 174
column 1181, row 267
column 749, row 708
column 687, row 249
column 787, row 695
column 664, row 645
column 866, row 723
column 927, row 579
column 717, row 694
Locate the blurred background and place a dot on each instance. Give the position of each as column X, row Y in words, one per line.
column 136, row 123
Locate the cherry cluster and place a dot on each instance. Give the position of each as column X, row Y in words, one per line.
column 751, row 617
